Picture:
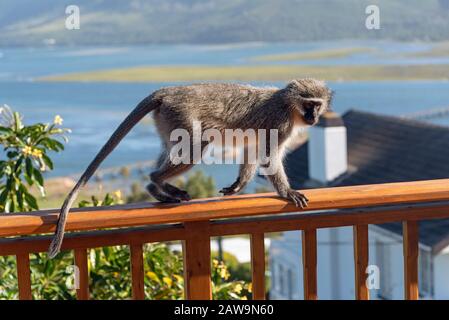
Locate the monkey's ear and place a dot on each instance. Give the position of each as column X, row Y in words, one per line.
column 330, row 99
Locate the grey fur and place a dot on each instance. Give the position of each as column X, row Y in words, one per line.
column 217, row 106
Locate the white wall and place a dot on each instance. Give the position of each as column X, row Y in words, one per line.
column 286, row 252
column 391, row 271
column 336, row 264
column 441, row 276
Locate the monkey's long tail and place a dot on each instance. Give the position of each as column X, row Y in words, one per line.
column 143, row 108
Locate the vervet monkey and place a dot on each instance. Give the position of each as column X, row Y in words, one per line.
column 221, row 107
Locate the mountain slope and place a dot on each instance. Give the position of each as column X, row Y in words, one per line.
column 29, row 22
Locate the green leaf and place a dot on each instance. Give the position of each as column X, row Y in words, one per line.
column 31, row 201
column 5, row 129
column 3, row 196
column 7, row 168
column 42, row 191
column 29, row 167
column 47, row 161
column 17, row 121
column 20, row 200
column 9, row 183
column 28, row 179
column 18, row 164
column 38, row 177
column 58, row 144
column 8, row 205
column 12, row 154
column 83, row 204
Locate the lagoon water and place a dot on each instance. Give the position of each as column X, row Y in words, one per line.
column 93, row 110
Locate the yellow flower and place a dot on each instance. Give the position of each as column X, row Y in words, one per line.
column 27, row 150
column 215, row 263
column 58, row 120
column 167, row 281
column 224, row 273
column 152, row 276
column 238, row 288
column 36, row 153
column 118, row 194
column 244, row 298
column 250, row 288
column 178, row 278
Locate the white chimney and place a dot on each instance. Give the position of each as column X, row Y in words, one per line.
column 328, row 157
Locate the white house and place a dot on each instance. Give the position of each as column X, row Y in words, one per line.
column 380, row 149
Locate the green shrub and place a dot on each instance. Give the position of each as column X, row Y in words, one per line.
column 26, row 149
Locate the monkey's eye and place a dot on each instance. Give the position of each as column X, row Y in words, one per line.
column 312, row 104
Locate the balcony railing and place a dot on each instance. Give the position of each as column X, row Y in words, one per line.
column 195, row 222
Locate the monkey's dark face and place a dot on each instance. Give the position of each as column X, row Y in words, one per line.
column 310, row 98
column 311, row 111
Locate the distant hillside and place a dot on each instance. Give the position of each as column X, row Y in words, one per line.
column 29, row 22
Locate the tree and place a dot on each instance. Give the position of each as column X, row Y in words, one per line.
column 198, row 185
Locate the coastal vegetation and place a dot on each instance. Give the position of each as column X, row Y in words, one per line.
column 334, row 53
column 440, row 50
column 184, row 73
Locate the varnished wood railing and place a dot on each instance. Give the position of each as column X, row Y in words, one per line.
column 194, row 223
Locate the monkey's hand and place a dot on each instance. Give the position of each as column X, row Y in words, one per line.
column 299, row 199
column 234, row 188
column 228, row 191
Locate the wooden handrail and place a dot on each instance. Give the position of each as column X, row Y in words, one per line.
column 195, row 222
column 40, row 222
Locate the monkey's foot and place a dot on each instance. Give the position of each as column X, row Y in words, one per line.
column 299, row 199
column 158, row 195
column 176, row 192
column 234, row 188
column 228, row 191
